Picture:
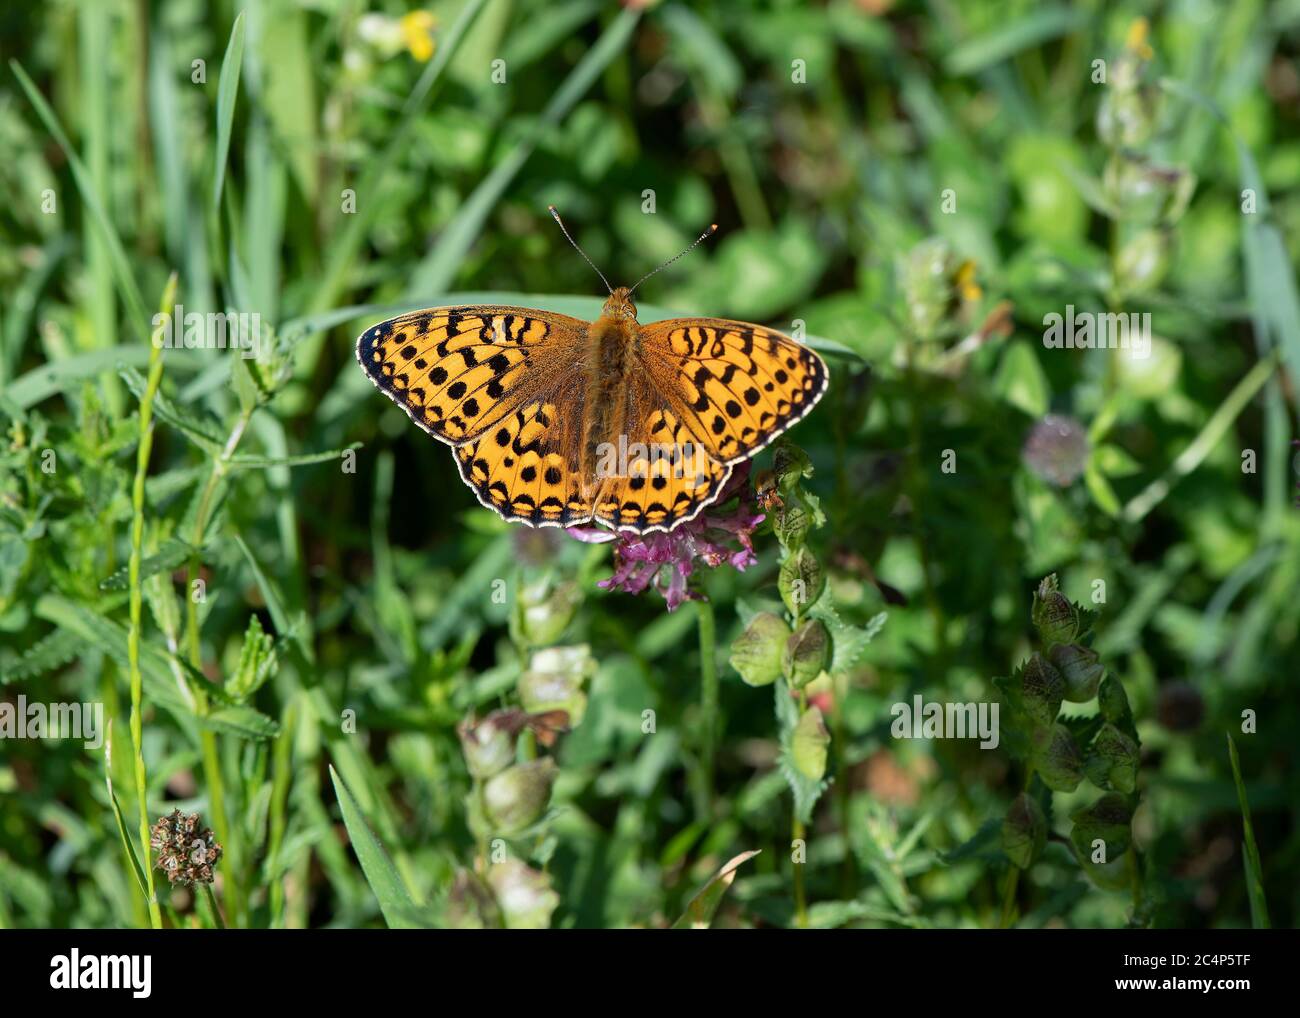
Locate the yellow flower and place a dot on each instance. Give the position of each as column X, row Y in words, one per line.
column 1136, row 42
column 964, row 280
column 417, row 34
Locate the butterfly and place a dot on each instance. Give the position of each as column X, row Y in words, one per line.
column 559, row 422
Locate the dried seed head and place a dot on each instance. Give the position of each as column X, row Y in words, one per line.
column 186, row 851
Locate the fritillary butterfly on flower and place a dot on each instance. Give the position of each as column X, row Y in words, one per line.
column 557, row 422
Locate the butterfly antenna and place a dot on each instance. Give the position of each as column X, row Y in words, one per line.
column 702, row 238
column 580, row 251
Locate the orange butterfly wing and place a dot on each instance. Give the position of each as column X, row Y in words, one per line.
column 734, row 385
column 457, row 371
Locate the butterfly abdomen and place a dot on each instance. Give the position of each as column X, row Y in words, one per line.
column 608, row 361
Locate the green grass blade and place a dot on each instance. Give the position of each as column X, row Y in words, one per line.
column 140, row 879
column 1250, row 850
column 701, row 909
column 394, row 899
column 227, row 92
column 126, row 283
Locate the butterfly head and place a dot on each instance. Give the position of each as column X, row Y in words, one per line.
column 620, row 305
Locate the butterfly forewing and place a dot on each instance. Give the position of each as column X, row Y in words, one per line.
column 736, row 386
column 457, row 371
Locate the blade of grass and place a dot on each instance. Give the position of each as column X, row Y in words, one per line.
column 1250, row 850
column 126, row 283
column 701, row 909
column 134, row 859
column 1191, row 457
column 395, row 900
column 227, row 93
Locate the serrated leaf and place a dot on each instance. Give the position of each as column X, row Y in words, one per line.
column 48, row 653
column 185, row 421
column 173, row 554
column 242, row 721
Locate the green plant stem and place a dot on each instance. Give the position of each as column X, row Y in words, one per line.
column 1191, row 457
column 136, row 677
column 207, row 738
column 800, row 896
column 210, row 899
column 708, row 700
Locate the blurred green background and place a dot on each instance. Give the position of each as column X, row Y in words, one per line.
column 913, row 186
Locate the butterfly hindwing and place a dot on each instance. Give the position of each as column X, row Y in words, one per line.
column 456, row 371
column 662, row 478
column 523, row 468
column 736, row 386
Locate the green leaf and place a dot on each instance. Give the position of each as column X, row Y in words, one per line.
column 395, row 900
column 1013, row 36
column 1250, row 850
column 127, row 843
column 126, row 283
column 1021, row 381
column 227, row 91
column 700, row 911
column 52, row 651
column 241, row 721
column 173, row 553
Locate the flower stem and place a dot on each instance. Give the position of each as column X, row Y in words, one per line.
column 708, row 699
column 800, row 897
column 143, row 448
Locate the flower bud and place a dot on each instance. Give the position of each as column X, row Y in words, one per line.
column 806, row 653
column 1056, row 757
column 789, row 464
column 1112, row 702
column 1142, row 262
column 1024, row 831
column 518, row 796
column 1112, row 761
column 791, row 523
column 1080, row 667
column 470, row 904
column 524, row 895
column 756, row 653
column 554, row 681
column 926, row 283
column 800, row 581
column 1126, row 117
column 489, row 745
column 1146, row 193
column 808, row 744
column 1055, row 618
column 542, row 610
column 1041, row 690
column 1107, row 819
column 1057, row 450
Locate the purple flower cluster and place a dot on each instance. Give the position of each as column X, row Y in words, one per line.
column 715, row 536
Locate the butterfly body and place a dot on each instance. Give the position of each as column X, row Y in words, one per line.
column 560, row 422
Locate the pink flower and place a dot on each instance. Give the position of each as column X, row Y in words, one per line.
column 667, row 561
